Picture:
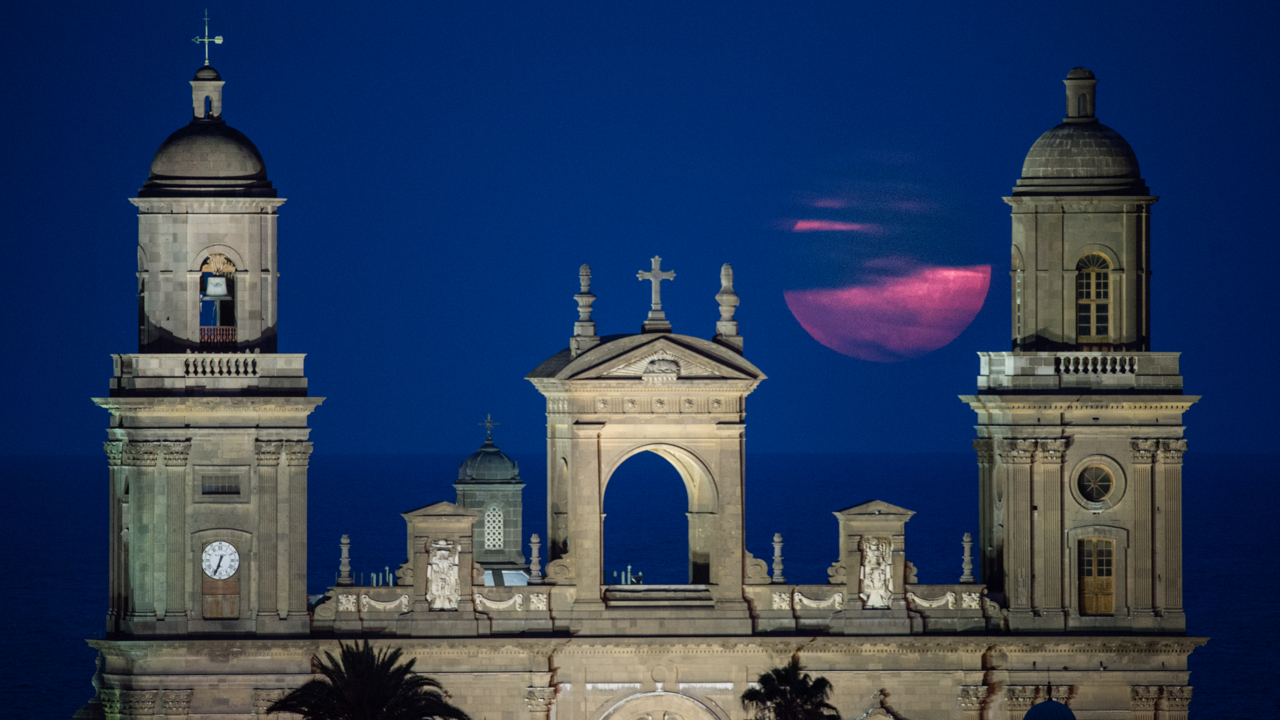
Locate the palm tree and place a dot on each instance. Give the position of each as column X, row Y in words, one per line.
column 365, row 686
column 786, row 693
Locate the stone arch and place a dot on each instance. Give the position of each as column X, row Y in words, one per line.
column 198, row 257
column 661, row 705
column 699, row 483
column 1113, row 258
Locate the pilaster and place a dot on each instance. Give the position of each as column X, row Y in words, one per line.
column 1016, row 456
column 117, row 568
column 1047, row 499
column 293, row 536
column 1168, row 498
column 139, row 461
column 271, row 574
column 988, row 560
column 175, row 484
column 1143, row 511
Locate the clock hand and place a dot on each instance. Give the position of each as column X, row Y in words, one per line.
column 215, row 567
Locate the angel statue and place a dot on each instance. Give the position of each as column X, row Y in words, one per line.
column 442, row 576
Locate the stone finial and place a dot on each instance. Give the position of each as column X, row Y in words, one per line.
column 535, row 567
column 344, row 562
column 727, row 327
column 584, row 331
column 967, row 564
column 777, row 559
column 657, row 319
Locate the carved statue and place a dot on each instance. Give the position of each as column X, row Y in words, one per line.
column 442, row 576
column 876, row 572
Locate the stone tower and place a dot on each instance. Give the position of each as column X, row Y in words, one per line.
column 208, row 442
column 1080, row 426
column 489, row 483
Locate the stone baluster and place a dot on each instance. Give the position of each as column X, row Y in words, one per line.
column 777, row 560
column 535, row 567
column 344, row 562
column 966, row 564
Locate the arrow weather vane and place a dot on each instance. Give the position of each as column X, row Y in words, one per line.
column 206, row 39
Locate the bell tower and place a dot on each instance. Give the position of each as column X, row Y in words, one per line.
column 208, row 443
column 1080, row 435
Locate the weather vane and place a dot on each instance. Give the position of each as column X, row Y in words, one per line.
column 488, row 426
column 206, row 39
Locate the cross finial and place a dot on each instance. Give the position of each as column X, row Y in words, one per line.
column 206, row 39
column 488, row 427
column 657, row 320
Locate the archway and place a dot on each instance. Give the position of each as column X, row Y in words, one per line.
column 646, row 525
column 662, row 705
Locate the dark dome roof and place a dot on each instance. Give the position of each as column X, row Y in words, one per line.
column 207, row 73
column 1049, row 710
column 1081, row 150
column 207, row 158
column 488, row 464
column 1079, row 73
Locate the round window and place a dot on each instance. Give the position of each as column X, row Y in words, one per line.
column 1095, row 483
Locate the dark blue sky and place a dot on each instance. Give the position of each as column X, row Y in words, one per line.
column 449, row 167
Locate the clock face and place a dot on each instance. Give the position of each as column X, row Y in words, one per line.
column 220, row 560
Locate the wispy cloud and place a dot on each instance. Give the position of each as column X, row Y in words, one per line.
column 836, row 226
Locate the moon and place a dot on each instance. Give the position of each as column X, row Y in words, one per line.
column 893, row 318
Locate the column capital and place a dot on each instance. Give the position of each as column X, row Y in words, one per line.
column 268, row 451
column 972, row 697
column 1171, row 451
column 1175, row 698
column 1143, row 450
column 1142, row 698
column 1016, row 451
column 140, row 454
column 176, row 453
column 1020, row 697
column 1051, row 450
column 114, row 450
column 984, row 448
column 539, row 699
column 299, row 453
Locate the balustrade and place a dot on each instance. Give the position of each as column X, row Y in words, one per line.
column 221, row 365
column 1095, row 364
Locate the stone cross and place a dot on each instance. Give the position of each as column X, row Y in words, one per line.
column 657, row 320
column 206, row 39
column 488, row 426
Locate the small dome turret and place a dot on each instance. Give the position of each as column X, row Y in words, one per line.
column 488, row 464
column 207, row 158
column 1081, row 156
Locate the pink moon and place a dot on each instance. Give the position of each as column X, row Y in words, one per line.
column 889, row 319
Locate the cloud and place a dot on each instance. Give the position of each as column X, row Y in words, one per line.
column 888, row 318
column 836, row 226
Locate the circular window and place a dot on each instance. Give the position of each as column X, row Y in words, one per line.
column 1095, row 483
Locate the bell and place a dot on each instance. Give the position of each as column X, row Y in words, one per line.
column 215, row 288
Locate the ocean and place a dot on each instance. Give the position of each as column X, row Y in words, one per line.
column 57, row 532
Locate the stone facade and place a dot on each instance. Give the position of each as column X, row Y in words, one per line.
column 1079, row 484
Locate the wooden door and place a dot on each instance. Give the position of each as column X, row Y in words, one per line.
column 1097, row 581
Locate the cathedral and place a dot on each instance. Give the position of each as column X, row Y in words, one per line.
column 1076, row 608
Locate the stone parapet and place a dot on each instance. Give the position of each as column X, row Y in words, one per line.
column 212, row 373
column 1041, row 372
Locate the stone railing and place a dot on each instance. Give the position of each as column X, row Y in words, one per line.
column 1145, row 372
column 181, row 373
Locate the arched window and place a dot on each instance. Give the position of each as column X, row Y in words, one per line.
column 1093, row 299
column 493, row 528
column 217, row 302
column 1080, row 107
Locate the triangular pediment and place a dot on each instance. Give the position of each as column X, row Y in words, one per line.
column 441, row 509
column 875, row 507
column 660, row 358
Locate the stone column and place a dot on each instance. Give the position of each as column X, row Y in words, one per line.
column 139, row 459
column 118, row 581
column 1047, row 531
column 987, row 561
column 1142, row 558
column 1142, row 701
column 293, row 539
column 176, row 553
column 585, row 521
column 1168, row 498
column 269, row 571
column 1015, row 465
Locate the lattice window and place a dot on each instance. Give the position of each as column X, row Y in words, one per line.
column 1097, row 584
column 493, row 529
column 219, row 484
column 1093, row 299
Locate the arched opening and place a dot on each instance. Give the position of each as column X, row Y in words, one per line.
column 217, row 303
column 646, row 526
column 1093, row 301
column 1081, row 110
column 208, row 106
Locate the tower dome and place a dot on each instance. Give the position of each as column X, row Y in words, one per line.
column 1081, row 156
column 488, row 464
column 207, row 158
